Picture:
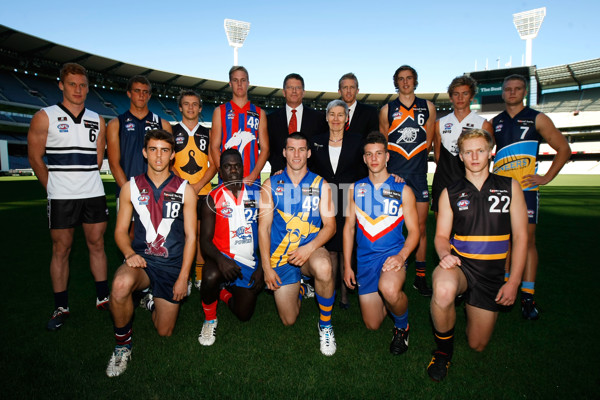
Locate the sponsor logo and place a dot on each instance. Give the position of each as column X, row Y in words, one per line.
column 448, row 125
column 525, row 121
column 130, row 126
column 90, row 124
column 397, row 115
column 231, row 114
column 360, row 192
column 226, row 212
column 143, row 199
column 253, row 114
column 62, row 119
column 173, row 197
column 463, row 204
column 250, row 204
column 63, row 127
column 498, row 191
column 179, row 140
column 310, row 191
column 392, row 194
column 498, row 127
column 279, row 190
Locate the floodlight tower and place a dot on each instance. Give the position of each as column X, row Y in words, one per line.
column 528, row 25
column 236, row 34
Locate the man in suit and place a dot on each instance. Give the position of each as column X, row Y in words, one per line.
column 362, row 118
column 294, row 117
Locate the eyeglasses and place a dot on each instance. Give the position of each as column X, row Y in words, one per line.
column 294, row 88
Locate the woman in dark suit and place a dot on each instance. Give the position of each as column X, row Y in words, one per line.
column 339, row 159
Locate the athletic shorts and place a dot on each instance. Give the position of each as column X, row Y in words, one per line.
column 368, row 274
column 162, row 280
column 247, row 272
column 481, row 289
column 65, row 214
column 418, row 184
column 288, row 274
column 532, row 199
column 201, row 199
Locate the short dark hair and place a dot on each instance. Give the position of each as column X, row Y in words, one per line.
column 72, row 68
column 406, row 68
column 515, row 77
column 463, row 81
column 138, row 79
column 376, row 137
column 159, row 134
column 238, row 68
column 297, row 136
column 349, row 75
column 188, row 92
column 293, row 75
column 230, row 152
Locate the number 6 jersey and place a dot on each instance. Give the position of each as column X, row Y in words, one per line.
column 71, row 150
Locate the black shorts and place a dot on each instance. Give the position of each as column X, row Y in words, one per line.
column 418, row 184
column 532, row 199
column 482, row 289
column 162, row 280
column 66, row 214
column 201, row 199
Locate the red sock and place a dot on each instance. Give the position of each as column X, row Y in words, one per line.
column 225, row 295
column 210, row 311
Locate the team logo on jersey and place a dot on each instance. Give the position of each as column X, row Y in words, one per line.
column 157, row 248
column 530, row 213
column 240, row 140
column 279, row 190
column 143, row 199
column 463, row 204
column 130, row 126
column 226, row 212
column 425, row 194
column 498, row 128
column 243, row 232
column 230, row 114
column 513, row 163
column 448, row 125
column 408, row 135
column 397, row 115
column 63, row 128
column 361, row 192
column 179, row 140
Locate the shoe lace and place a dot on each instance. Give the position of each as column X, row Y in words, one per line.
column 208, row 329
column 327, row 334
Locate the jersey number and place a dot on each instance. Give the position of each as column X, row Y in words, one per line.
column 203, row 145
column 390, row 207
column 421, row 119
column 250, row 214
column 496, row 204
column 171, row 210
column 92, row 135
column 306, row 205
column 525, row 129
column 253, row 123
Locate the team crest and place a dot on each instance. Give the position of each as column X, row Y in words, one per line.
column 231, row 114
column 463, row 204
column 130, row 126
column 63, row 128
column 143, row 199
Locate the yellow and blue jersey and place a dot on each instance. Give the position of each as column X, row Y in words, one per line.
column 296, row 215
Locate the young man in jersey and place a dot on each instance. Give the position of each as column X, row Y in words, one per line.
column 380, row 206
column 73, row 139
column 408, row 123
column 477, row 216
column 449, row 168
column 297, row 219
column 125, row 134
column 230, row 236
column 192, row 158
column 518, row 131
column 239, row 124
column 162, row 250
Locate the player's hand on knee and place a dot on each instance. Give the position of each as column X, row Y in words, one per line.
column 135, row 261
column 300, row 256
column 449, row 261
column 394, row 263
column 229, row 269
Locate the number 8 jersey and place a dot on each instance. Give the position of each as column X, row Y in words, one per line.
column 71, row 151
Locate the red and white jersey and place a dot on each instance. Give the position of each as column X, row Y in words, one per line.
column 236, row 224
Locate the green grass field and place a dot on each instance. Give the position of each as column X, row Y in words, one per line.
column 554, row 357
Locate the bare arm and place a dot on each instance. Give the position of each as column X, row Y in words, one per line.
column 384, row 125
column 411, row 220
column 166, row 125
column 430, row 125
column 209, row 174
column 114, row 152
column 443, row 232
column 265, row 220
column 437, row 141
column 557, row 141
column 101, row 142
column 348, row 239
column 122, row 238
column 263, row 156
column 190, row 221
column 216, row 132
column 36, row 145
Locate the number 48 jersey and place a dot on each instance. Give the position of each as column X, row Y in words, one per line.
column 71, row 150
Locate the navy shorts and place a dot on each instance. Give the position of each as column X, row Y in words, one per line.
column 418, row 184
column 532, row 199
column 66, row 214
column 162, row 280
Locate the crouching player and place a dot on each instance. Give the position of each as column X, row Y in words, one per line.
column 163, row 246
column 380, row 206
column 229, row 236
column 482, row 210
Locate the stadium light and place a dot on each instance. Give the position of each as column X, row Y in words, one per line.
column 528, row 25
column 236, row 34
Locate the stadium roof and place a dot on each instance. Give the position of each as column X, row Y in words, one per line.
column 573, row 74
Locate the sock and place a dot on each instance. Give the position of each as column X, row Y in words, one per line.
column 123, row 335
column 61, row 299
column 302, row 290
column 506, row 276
column 527, row 289
column 225, row 295
column 210, row 310
column 420, row 268
column 101, row 289
column 325, row 307
column 199, row 266
column 444, row 341
column 400, row 322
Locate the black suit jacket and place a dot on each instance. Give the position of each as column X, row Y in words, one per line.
column 313, row 122
column 364, row 121
column 351, row 168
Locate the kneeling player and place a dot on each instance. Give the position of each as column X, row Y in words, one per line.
column 163, row 246
column 482, row 210
column 380, row 206
column 229, row 242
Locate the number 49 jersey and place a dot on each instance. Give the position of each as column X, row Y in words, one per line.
column 379, row 219
column 71, row 150
column 481, row 222
column 236, row 223
column 517, row 144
